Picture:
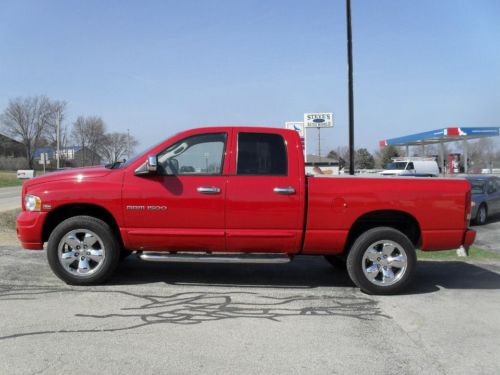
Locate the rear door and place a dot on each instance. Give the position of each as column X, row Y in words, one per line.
column 265, row 193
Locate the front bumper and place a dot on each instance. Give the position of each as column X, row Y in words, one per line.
column 29, row 227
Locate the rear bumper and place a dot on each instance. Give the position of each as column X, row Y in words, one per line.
column 434, row 240
column 469, row 237
column 29, row 227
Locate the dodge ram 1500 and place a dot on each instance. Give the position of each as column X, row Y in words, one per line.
column 239, row 194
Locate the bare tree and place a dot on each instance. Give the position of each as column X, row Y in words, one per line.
column 27, row 119
column 116, row 146
column 481, row 154
column 89, row 134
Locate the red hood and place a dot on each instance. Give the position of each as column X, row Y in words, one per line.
column 69, row 174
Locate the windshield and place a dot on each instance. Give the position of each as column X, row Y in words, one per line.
column 134, row 158
column 397, row 165
column 477, row 186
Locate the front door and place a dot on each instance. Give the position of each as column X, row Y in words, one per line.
column 182, row 206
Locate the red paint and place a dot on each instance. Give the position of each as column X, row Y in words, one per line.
column 247, row 215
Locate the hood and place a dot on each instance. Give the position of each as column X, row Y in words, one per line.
column 69, row 174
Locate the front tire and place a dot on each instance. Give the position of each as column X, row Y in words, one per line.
column 82, row 250
column 482, row 215
column 381, row 261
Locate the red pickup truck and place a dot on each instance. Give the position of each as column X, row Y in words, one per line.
column 239, row 194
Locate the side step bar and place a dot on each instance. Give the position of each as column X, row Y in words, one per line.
column 215, row 258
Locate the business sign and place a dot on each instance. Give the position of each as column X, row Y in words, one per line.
column 318, row 120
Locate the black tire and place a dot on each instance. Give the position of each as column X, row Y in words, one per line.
column 337, row 261
column 124, row 254
column 481, row 215
column 87, row 247
column 376, row 244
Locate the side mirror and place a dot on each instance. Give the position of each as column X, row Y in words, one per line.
column 149, row 167
column 152, row 164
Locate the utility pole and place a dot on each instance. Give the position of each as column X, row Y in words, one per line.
column 319, row 142
column 58, row 135
column 128, row 144
column 350, row 84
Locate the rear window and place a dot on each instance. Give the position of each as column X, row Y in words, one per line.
column 261, row 154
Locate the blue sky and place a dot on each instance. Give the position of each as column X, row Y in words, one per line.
column 157, row 67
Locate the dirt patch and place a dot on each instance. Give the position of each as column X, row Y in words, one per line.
column 8, row 238
column 8, row 220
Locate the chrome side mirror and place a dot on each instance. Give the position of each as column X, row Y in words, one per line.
column 152, row 164
column 150, row 167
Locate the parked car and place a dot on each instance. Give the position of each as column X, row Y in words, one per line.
column 486, row 197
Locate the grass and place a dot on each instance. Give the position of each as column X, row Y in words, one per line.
column 8, row 219
column 8, row 178
column 475, row 253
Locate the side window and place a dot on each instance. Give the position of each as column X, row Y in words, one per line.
column 410, row 166
column 197, row 155
column 492, row 186
column 261, row 154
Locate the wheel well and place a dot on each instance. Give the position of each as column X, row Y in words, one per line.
column 398, row 220
column 65, row 212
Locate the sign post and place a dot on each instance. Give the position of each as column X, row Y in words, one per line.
column 44, row 160
column 318, row 120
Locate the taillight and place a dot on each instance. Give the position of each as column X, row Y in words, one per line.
column 468, row 208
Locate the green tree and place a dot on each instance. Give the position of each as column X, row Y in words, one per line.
column 385, row 155
column 363, row 159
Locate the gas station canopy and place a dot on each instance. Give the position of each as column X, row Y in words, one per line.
column 442, row 136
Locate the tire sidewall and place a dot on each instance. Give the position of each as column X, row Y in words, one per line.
column 95, row 225
column 478, row 215
column 361, row 245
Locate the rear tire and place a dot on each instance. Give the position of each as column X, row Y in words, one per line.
column 382, row 261
column 82, row 250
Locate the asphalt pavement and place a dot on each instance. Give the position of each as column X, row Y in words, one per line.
column 10, row 198
column 302, row 317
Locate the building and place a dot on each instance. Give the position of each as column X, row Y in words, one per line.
column 10, row 147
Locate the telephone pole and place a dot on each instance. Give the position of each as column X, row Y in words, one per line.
column 350, row 84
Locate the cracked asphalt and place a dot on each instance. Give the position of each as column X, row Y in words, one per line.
column 302, row 317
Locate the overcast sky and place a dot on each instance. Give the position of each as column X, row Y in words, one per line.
column 157, row 67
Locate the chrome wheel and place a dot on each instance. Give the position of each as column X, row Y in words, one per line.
column 482, row 215
column 384, row 262
column 81, row 252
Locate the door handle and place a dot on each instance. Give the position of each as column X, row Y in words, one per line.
column 284, row 190
column 208, row 190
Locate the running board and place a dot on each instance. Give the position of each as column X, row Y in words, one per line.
column 215, row 258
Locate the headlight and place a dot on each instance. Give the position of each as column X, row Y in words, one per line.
column 32, row 203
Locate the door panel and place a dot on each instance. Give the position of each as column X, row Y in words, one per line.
column 260, row 220
column 169, row 213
